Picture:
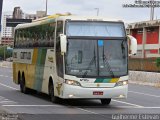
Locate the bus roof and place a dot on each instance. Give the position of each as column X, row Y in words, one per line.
column 63, row 17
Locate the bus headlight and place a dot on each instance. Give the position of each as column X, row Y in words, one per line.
column 72, row 82
column 121, row 83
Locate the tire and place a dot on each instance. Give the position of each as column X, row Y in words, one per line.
column 53, row 98
column 105, row 101
column 23, row 87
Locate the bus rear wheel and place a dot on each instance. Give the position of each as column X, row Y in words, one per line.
column 54, row 99
column 106, row 101
column 23, row 87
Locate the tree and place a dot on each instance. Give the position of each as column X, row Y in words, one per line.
column 5, row 53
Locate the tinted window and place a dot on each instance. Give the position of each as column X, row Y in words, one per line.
column 37, row 36
column 96, row 29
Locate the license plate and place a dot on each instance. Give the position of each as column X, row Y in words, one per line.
column 97, row 93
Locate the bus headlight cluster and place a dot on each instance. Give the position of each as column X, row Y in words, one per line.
column 72, row 82
column 121, row 83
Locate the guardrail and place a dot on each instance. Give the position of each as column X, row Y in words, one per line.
column 145, row 78
column 135, row 77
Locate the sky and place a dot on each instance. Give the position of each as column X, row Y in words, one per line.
column 107, row 8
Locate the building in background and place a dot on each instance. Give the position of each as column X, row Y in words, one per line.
column 39, row 14
column 18, row 13
column 11, row 20
column 30, row 16
column 147, row 34
column 6, row 33
column 1, row 4
column 148, row 37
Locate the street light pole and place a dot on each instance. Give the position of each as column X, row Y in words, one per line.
column 46, row 6
column 152, row 11
column 4, row 53
column 97, row 11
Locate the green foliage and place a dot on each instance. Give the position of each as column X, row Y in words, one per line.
column 3, row 50
column 158, row 62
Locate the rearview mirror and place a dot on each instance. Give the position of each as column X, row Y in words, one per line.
column 133, row 45
column 63, row 41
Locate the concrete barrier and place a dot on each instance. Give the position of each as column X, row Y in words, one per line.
column 145, row 78
column 135, row 77
column 6, row 64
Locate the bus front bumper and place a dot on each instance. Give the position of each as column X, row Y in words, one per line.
column 73, row 92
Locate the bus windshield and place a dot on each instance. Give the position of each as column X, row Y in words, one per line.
column 96, row 58
column 98, row 29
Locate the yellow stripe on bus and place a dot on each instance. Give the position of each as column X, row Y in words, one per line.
column 35, row 56
column 114, row 80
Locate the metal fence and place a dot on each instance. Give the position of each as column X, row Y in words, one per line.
column 145, row 64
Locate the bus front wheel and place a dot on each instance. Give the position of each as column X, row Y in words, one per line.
column 54, row 99
column 105, row 101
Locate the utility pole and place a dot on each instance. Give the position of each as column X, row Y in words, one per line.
column 97, row 11
column 46, row 6
column 1, row 6
column 152, row 11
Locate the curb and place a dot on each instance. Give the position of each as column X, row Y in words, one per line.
column 144, row 78
column 2, row 111
column 144, row 83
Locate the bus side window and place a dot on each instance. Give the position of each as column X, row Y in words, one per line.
column 35, row 37
column 52, row 34
column 59, row 57
column 15, row 38
column 28, row 38
column 25, row 38
column 45, row 35
column 31, row 37
column 38, row 35
column 59, row 28
column 20, row 38
column 41, row 36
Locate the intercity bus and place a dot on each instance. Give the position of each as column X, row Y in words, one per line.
column 73, row 57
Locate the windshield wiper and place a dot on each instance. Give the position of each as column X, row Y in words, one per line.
column 105, row 60
column 108, row 65
column 90, row 63
column 123, row 49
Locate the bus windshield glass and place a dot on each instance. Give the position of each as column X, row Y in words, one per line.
column 95, row 29
column 96, row 58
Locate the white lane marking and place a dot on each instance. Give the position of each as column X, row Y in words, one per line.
column 87, row 111
column 144, row 94
column 7, row 102
column 5, row 99
column 128, row 103
column 6, row 76
column 47, row 106
column 31, row 106
column 133, row 107
column 8, row 86
column 151, row 107
column 138, row 107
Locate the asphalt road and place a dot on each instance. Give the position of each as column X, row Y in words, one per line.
column 141, row 100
